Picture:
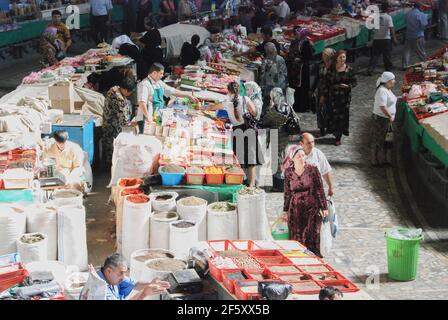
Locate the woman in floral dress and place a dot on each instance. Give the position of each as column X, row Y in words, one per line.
column 341, row 80
column 116, row 115
column 305, row 204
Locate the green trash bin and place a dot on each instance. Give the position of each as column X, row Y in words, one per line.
column 402, row 257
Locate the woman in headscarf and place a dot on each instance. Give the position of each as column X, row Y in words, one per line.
column 323, row 90
column 253, row 91
column 384, row 110
column 274, row 73
column 128, row 48
column 305, row 204
column 152, row 52
column 341, row 79
column 298, row 62
column 115, row 116
column 275, row 118
column 50, row 48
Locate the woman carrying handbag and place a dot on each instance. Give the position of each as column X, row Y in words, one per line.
column 384, row 110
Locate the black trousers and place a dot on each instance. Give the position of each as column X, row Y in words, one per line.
column 381, row 47
column 99, row 26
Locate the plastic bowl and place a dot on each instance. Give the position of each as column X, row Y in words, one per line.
column 171, row 179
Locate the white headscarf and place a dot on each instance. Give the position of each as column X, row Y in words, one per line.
column 386, row 76
column 118, row 41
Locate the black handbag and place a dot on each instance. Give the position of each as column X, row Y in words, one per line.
column 250, row 122
column 292, row 124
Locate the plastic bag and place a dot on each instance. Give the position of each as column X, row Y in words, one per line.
column 333, row 218
column 271, row 290
column 405, row 234
column 95, row 288
column 326, row 239
column 290, row 96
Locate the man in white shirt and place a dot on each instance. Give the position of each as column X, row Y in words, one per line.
column 282, row 10
column 382, row 41
column 100, row 18
column 317, row 158
column 150, row 95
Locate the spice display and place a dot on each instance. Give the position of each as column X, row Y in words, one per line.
column 295, row 277
column 325, row 276
column 156, row 254
column 222, row 206
column 234, row 170
column 195, row 170
column 317, row 268
column 238, row 275
column 192, row 201
column 32, row 238
column 250, row 191
column 305, row 286
column 257, row 276
column 294, row 253
column 247, row 263
column 166, row 265
column 305, row 261
column 184, row 224
column 67, row 194
column 172, row 168
column 213, row 170
column 165, row 215
column 283, row 269
column 164, row 197
column 138, row 198
column 233, row 253
column 224, row 263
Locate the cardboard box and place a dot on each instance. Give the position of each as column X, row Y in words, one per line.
column 62, row 90
column 68, row 106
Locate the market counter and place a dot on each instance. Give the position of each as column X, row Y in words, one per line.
column 420, row 137
column 34, row 29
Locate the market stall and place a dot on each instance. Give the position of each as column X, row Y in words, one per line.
column 424, row 106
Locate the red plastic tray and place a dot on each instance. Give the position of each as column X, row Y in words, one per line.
column 279, row 276
column 307, row 291
column 216, row 273
column 270, row 266
column 226, row 245
column 305, row 268
column 244, row 245
column 315, row 276
column 9, row 279
column 229, row 284
column 240, row 295
column 343, row 285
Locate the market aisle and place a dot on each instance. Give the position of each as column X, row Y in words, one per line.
column 366, row 203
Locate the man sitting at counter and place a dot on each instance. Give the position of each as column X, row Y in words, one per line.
column 150, row 94
column 63, row 34
column 69, row 160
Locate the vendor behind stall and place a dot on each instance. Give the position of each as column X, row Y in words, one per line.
column 63, row 32
column 116, row 115
column 189, row 53
column 150, row 95
column 119, row 287
column 69, row 160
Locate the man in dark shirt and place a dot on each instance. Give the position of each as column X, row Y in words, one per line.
column 267, row 37
column 189, row 53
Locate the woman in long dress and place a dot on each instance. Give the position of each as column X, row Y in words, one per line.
column 341, row 80
column 298, row 63
column 305, row 204
column 322, row 90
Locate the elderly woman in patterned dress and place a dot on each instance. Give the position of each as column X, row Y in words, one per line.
column 305, row 204
column 341, row 80
column 116, row 115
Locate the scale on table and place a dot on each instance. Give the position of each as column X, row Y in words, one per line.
column 185, row 281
